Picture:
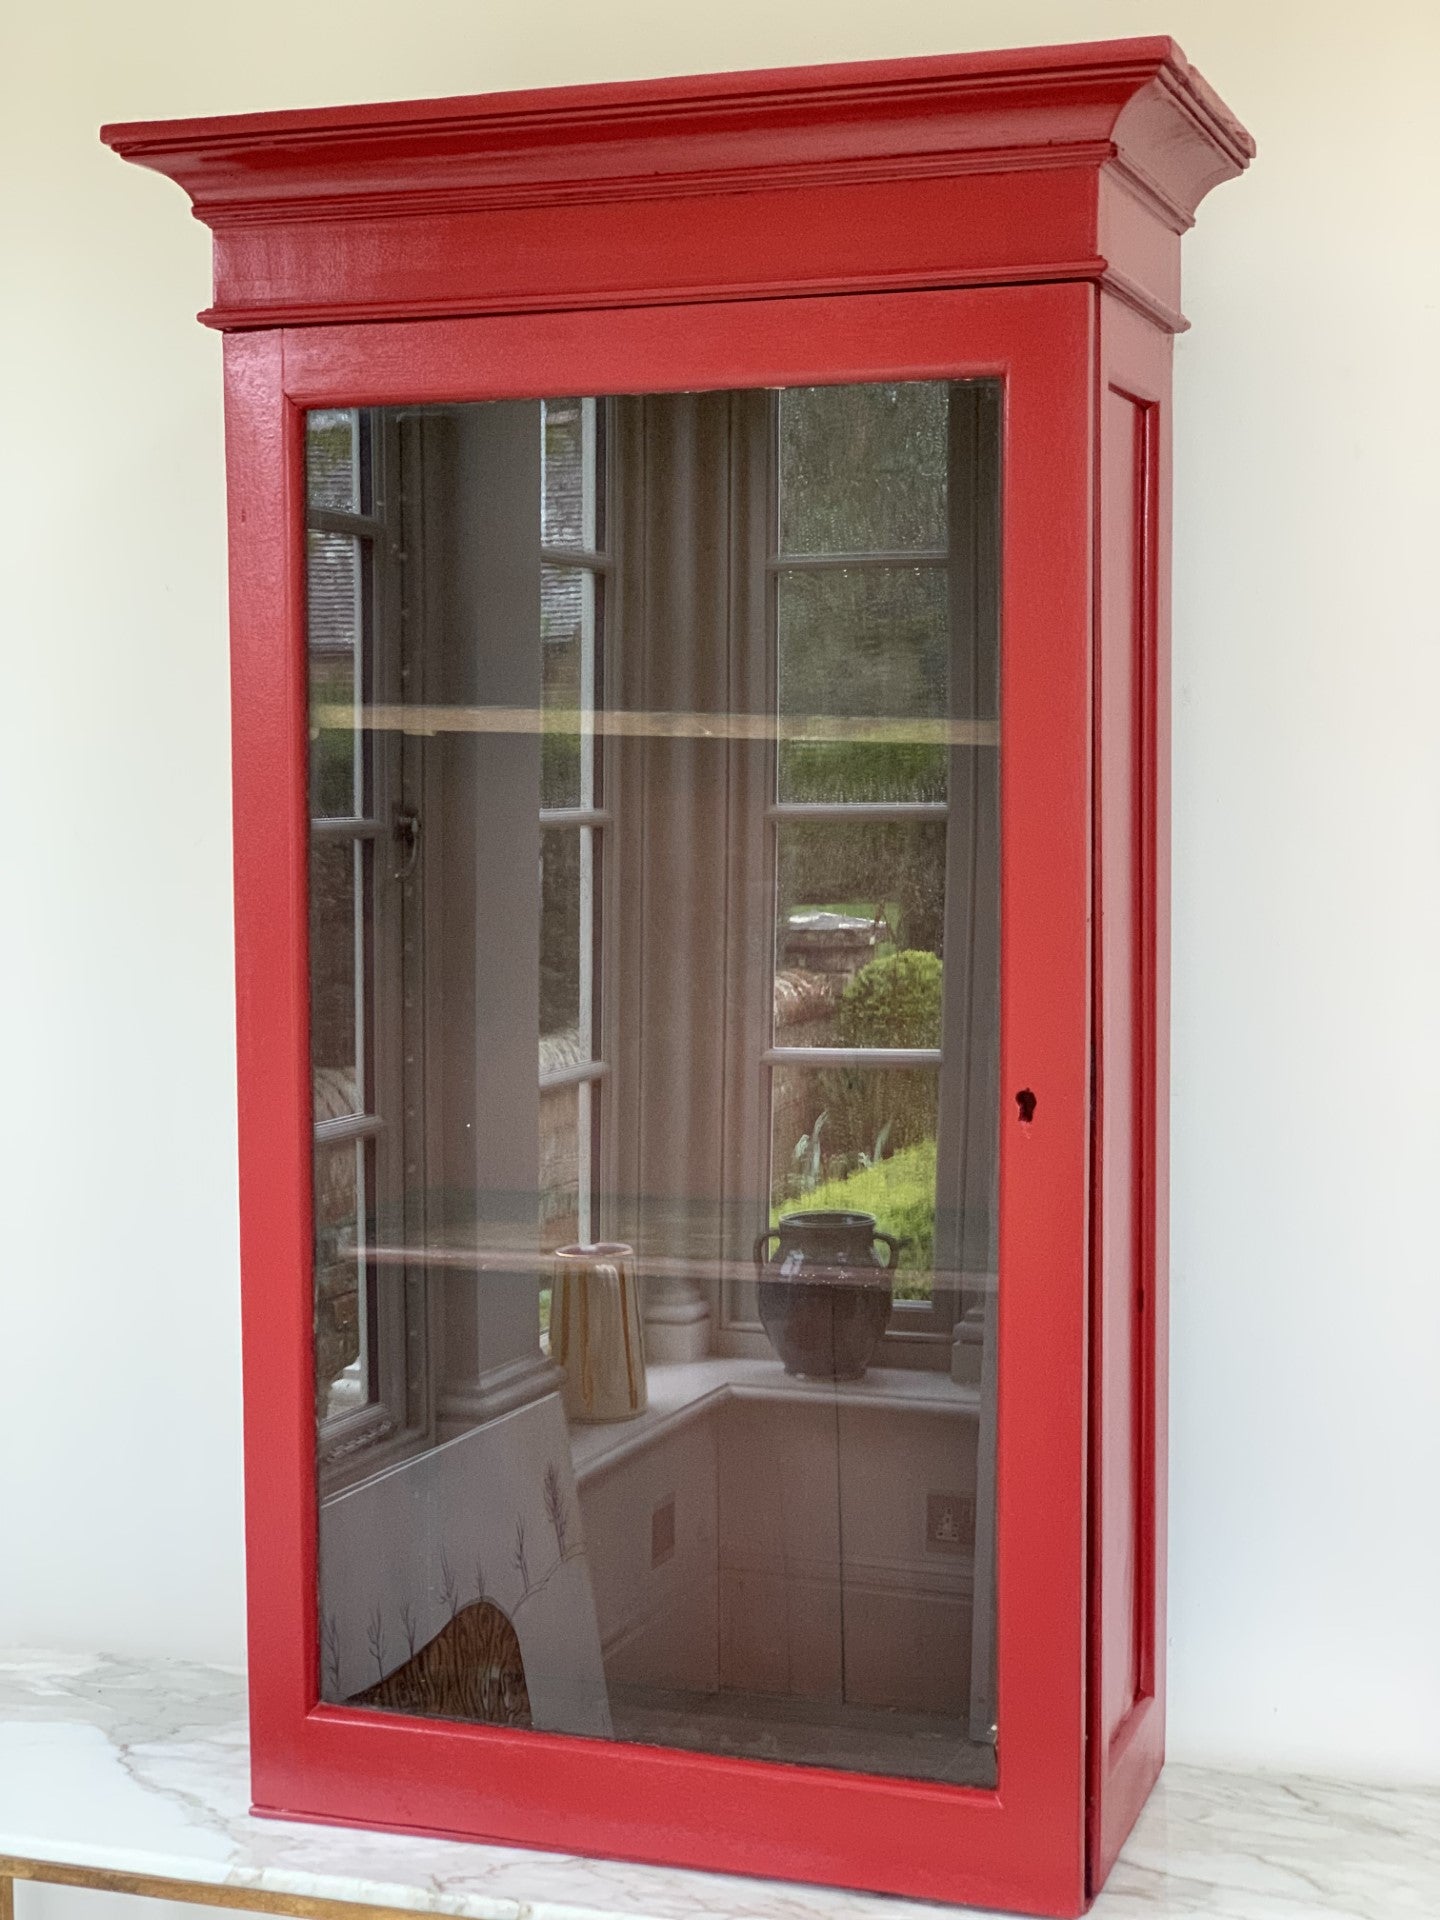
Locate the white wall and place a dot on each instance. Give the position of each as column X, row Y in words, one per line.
column 1306, row 1474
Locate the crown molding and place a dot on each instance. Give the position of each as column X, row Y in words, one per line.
column 1134, row 109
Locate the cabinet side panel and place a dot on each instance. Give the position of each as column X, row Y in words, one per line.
column 265, row 486
column 1125, row 1623
column 1129, row 1225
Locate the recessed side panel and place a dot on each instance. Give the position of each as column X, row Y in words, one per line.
column 1129, row 1279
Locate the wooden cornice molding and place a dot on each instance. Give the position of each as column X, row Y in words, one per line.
column 1136, row 100
column 1134, row 109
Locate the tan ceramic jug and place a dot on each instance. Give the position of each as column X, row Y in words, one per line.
column 595, row 1332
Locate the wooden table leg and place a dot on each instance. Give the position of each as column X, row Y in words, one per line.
column 7, row 1897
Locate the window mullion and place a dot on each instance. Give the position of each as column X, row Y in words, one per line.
column 780, row 562
column 578, row 557
column 884, row 1059
column 344, row 827
column 348, row 1126
column 573, row 1076
column 364, row 526
column 853, row 810
column 575, row 817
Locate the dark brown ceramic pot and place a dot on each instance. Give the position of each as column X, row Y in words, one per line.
column 825, row 1296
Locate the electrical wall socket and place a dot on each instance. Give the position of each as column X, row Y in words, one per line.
column 949, row 1522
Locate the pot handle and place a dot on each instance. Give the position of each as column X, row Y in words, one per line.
column 893, row 1244
column 770, row 1233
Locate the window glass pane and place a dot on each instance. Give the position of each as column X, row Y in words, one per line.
column 862, row 469
column 863, row 683
column 336, row 575
column 333, row 1048
column 568, row 636
column 342, row 1372
column 570, row 468
column 334, row 737
column 561, row 1158
column 566, row 906
column 333, row 585
column 860, row 1140
column 332, row 468
column 859, row 932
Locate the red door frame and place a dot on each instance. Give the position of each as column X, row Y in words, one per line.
column 1022, row 1846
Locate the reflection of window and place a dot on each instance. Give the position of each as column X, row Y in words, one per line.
column 574, row 573
column 366, row 1356
column 866, row 1056
column 861, row 635
column 573, row 577
column 690, row 696
column 340, row 542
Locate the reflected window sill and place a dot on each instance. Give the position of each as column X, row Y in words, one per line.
column 689, row 1390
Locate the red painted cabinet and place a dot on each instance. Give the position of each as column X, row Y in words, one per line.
column 699, row 584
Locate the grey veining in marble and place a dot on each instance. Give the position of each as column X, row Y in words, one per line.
column 143, row 1767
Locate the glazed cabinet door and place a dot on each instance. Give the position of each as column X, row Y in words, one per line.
column 663, row 849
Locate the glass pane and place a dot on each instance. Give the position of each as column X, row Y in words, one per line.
column 612, row 990
column 863, row 469
column 860, row 1140
column 568, row 633
column 332, row 466
column 336, row 581
column 334, row 737
column 570, row 468
column 333, row 582
column 859, row 932
column 566, row 907
column 564, row 1164
column 333, row 935
column 342, row 1374
column 863, row 683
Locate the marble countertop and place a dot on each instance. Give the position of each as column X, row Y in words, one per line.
column 142, row 1768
